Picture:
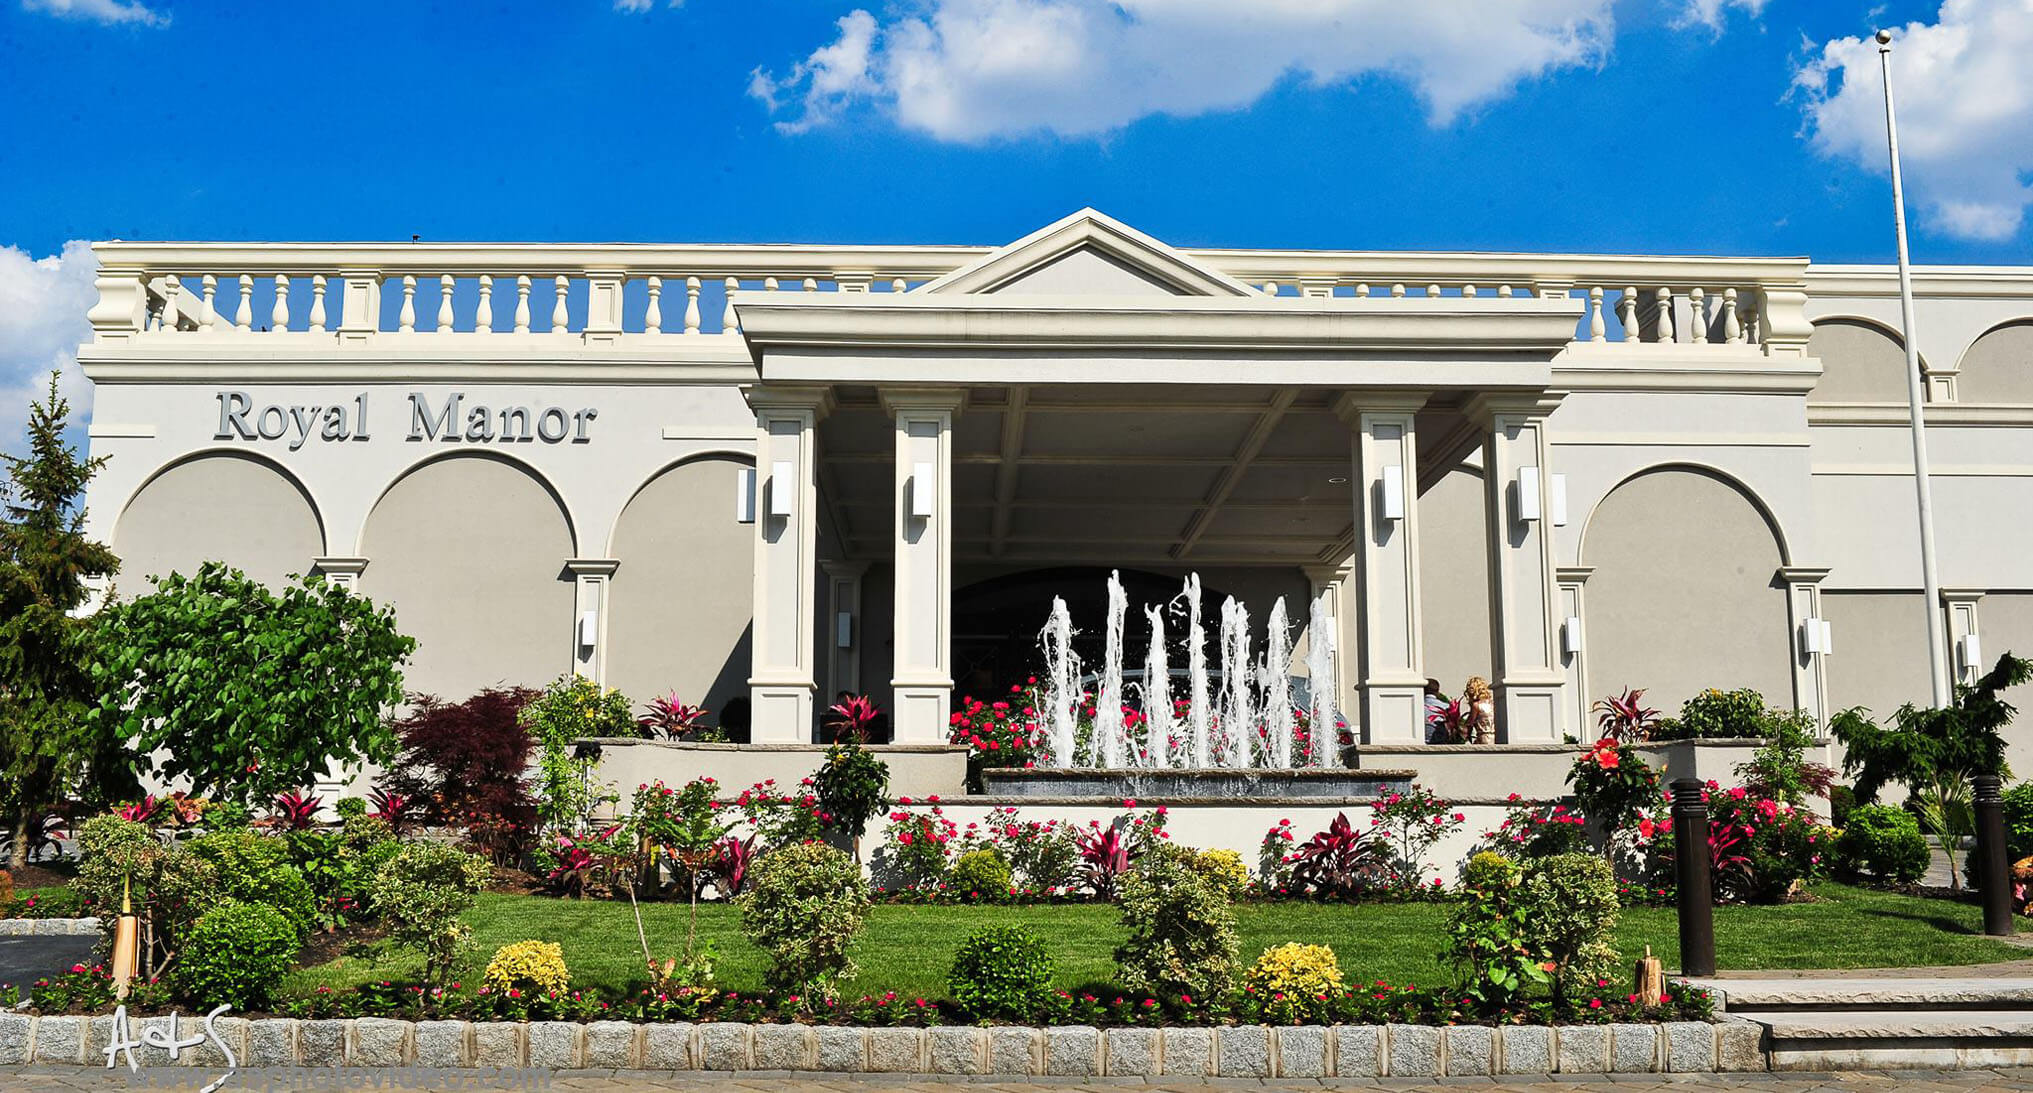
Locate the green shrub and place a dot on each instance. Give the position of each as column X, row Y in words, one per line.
column 1487, row 869
column 2018, row 819
column 237, row 954
column 1179, row 924
column 802, row 905
column 1571, row 910
column 228, row 816
column 1884, row 842
column 1715, row 714
column 979, row 874
column 255, row 868
column 1001, row 973
column 169, row 885
column 1490, row 942
column 421, row 893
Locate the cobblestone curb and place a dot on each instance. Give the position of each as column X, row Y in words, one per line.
column 1246, row 1051
column 48, row 927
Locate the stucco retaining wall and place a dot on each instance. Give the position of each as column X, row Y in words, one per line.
column 1245, row 1051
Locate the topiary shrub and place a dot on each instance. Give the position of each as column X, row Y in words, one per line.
column 1296, row 970
column 421, row 893
column 1180, row 927
column 802, row 905
column 255, row 868
column 1571, row 912
column 530, row 967
column 979, row 874
column 1489, row 936
column 237, row 954
column 1884, row 842
column 1001, row 973
column 1224, row 866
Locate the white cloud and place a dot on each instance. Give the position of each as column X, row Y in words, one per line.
column 1965, row 95
column 43, row 302
column 637, row 7
column 1713, row 13
column 100, row 11
column 970, row 70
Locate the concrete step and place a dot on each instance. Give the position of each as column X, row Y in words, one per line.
column 1752, row 997
column 1891, row 1038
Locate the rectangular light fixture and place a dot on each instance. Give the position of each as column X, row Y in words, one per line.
column 589, row 629
column 1393, row 500
column 1570, row 634
column 1528, row 494
column 1827, row 637
column 843, row 630
column 783, row 476
column 1556, row 486
column 1816, row 635
column 744, row 496
column 1973, row 652
column 922, row 489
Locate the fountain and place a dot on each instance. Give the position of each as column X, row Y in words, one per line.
column 1241, row 730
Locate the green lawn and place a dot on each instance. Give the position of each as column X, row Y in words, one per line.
column 907, row 949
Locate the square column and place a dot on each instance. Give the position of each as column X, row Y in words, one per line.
column 843, row 635
column 1524, row 590
column 923, row 551
column 1574, row 650
column 340, row 572
column 1331, row 582
column 589, row 615
column 1811, row 639
column 1390, row 670
column 780, row 682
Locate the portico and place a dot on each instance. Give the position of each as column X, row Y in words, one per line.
column 1091, row 396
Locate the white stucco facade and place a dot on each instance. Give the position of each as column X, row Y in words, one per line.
column 1614, row 470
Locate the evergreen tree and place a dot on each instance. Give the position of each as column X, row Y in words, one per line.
column 46, row 685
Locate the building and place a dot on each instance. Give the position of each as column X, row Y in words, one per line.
column 763, row 475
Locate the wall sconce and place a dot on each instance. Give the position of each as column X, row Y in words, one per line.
column 1972, row 653
column 589, row 629
column 1556, row 486
column 922, row 489
column 1816, row 636
column 782, row 475
column 1528, row 494
column 843, row 630
column 744, row 496
column 1570, row 634
column 1392, row 502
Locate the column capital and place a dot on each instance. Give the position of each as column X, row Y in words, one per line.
column 592, row 567
column 1961, row 595
column 1573, row 574
column 1353, row 404
column 1329, row 574
column 1487, row 406
column 899, row 400
column 1810, row 576
column 339, row 567
column 818, row 401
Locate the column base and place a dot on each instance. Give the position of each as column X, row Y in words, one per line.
column 1529, row 713
column 920, row 713
column 780, row 713
column 1393, row 713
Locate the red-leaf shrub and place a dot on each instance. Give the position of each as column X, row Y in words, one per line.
column 462, row 763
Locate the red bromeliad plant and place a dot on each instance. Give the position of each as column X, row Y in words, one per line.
column 671, row 717
column 295, row 811
column 730, row 863
column 394, row 809
column 580, row 859
column 1339, row 862
column 140, row 812
column 1107, row 851
column 1625, row 718
column 853, row 719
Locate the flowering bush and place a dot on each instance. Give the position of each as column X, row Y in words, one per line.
column 1532, row 830
column 1759, row 848
column 1409, row 824
column 917, row 846
column 1041, row 854
column 531, row 966
column 1003, row 733
column 1613, row 788
column 570, row 708
column 779, row 818
column 1274, row 858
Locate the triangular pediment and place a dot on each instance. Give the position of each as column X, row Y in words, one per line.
column 1088, row 254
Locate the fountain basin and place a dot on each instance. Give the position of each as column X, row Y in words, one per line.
column 1208, row 784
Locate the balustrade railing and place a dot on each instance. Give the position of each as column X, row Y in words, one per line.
column 622, row 292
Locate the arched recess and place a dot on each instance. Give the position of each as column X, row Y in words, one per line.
column 681, row 602
column 1861, row 361
column 1454, row 579
column 1684, row 595
column 234, row 507
column 470, row 550
column 1999, row 365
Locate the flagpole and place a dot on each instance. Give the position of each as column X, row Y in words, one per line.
column 1937, row 650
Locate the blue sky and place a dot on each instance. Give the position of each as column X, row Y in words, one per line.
column 1672, row 126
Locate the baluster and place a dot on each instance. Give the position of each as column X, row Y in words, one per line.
column 522, row 304
column 1270, row 288
column 243, row 313
column 1433, row 290
column 1732, row 326
column 483, row 314
column 171, row 286
column 1627, row 313
column 1665, row 297
column 278, row 316
column 405, row 320
column 811, row 285
column 728, row 325
column 653, row 315
column 691, row 305
column 1754, row 320
column 1697, row 309
column 207, row 315
column 1468, row 291
column 1503, row 292
column 1398, row 291
column 561, row 318
column 898, row 285
column 769, row 284
column 445, row 304
column 1597, row 330
column 317, row 303
column 1362, row 290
